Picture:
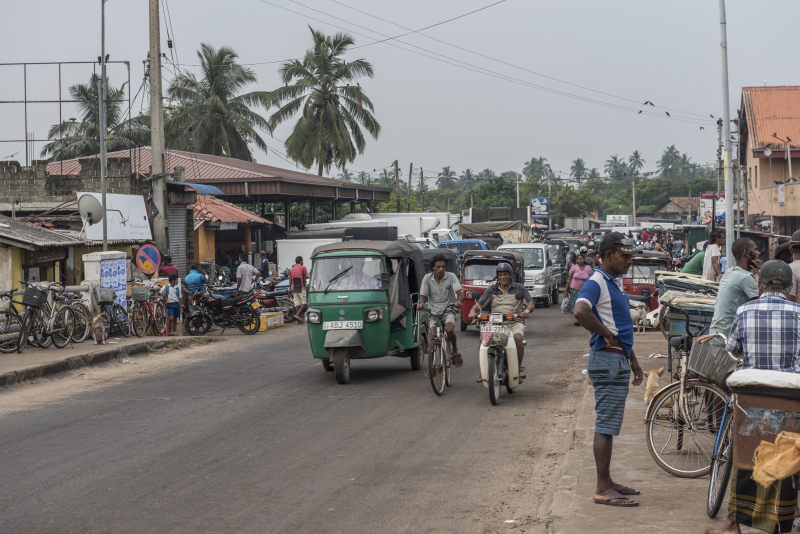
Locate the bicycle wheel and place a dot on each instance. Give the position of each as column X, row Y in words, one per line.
column 140, row 319
column 10, row 325
column 436, row 367
column 27, row 324
column 62, row 326
column 83, row 322
column 119, row 318
column 448, row 360
column 679, row 446
column 158, row 319
column 721, row 466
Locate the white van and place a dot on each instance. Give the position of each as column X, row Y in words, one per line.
column 541, row 276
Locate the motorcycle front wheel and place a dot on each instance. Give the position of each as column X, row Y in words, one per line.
column 249, row 321
column 197, row 325
column 494, row 379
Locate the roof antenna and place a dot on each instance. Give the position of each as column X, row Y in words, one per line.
column 765, row 82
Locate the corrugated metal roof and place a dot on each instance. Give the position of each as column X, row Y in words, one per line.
column 203, row 167
column 216, row 210
column 15, row 231
column 769, row 110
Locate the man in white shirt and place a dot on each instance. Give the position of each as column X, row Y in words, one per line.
column 245, row 274
column 712, row 269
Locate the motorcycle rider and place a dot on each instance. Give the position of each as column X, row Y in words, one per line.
column 501, row 298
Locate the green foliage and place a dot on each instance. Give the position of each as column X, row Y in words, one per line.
column 446, row 179
column 213, row 116
column 332, row 112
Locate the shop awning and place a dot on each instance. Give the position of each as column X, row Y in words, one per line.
column 202, row 189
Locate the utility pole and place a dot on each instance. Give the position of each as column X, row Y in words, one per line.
column 746, row 183
column 157, row 168
column 549, row 200
column 726, row 125
column 518, row 176
column 633, row 190
column 397, row 184
column 410, row 174
column 421, row 188
column 103, row 130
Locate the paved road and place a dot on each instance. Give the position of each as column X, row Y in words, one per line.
column 252, row 435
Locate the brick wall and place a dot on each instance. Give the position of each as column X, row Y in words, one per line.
column 33, row 184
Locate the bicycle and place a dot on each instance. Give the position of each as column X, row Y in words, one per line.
column 689, row 411
column 45, row 325
column 10, row 324
column 440, row 359
column 148, row 310
column 83, row 317
column 721, row 462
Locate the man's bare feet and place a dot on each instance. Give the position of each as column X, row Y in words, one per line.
column 615, row 496
column 726, row 527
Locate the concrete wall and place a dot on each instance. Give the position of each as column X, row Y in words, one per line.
column 764, row 199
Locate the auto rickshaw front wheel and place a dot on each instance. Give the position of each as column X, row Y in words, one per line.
column 341, row 365
column 326, row 363
column 417, row 355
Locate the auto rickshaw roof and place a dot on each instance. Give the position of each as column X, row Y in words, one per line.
column 651, row 255
column 450, row 254
column 554, row 242
column 391, row 249
column 502, row 255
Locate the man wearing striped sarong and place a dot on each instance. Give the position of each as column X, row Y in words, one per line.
column 602, row 308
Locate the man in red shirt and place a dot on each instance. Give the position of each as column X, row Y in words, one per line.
column 298, row 297
column 167, row 269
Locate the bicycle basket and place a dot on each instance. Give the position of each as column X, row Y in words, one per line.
column 140, row 293
column 106, row 296
column 709, row 359
column 34, row 298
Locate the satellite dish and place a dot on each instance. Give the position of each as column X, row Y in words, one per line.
column 90, row 209
column 768, row 151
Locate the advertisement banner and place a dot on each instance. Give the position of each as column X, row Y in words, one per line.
column 114, row 275
column 540, row 207
column 707, row 207
column 781, row 195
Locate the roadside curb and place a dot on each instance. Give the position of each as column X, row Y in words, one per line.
column 76, row 362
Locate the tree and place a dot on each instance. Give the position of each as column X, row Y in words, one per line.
column 593, row 173
column 495, row 192
column 363, row 177
column 385, row 179
column 578, row 169
column 636, row 162
column 81, row 138
column 615, row 168
column 328, row 131
column 212, row 115
column 511, row 176
column 468, row 179
column 536, row 166
column 447, row 179
column 346, row 175
column 485, row 175
column 671, row 157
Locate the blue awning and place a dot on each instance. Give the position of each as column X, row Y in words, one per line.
column 203, row 189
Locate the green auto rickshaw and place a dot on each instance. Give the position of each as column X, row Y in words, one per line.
column 558, row 253
column 362, row 301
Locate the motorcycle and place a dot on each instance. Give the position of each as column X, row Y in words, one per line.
column 215, row 310
column 498, row 353
column 277, row 301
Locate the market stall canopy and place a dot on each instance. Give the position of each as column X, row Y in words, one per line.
column 490, row 227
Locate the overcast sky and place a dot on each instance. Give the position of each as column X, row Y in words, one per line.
column 433, row 113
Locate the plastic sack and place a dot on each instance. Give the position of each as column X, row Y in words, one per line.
column 565, row 305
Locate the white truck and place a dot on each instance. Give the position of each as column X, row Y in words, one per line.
column 289, row 249
column 408, row 225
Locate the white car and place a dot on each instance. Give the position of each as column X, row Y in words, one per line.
column 541, row 277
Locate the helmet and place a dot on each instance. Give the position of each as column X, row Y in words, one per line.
column 504, row 267
column 583, row 250
column 776, row 270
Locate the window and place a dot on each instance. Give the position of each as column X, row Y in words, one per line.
column 480, row 271
column 475, row 245
column 534, row 257
column 361, row 273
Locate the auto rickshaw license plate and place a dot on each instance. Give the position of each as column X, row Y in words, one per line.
column 495, row 328
column 343, row 325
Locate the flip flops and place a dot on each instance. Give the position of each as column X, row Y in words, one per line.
column 458, row 361
column 625, row 490
column 608, row 502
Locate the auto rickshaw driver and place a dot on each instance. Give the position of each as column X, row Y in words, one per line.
column 501, row 297
column 354, row 277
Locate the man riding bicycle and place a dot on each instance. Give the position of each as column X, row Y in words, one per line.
column 438, row 287
column 501, row 298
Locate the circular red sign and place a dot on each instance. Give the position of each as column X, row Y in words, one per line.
column 148, row 259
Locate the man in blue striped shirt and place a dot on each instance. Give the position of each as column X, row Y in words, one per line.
column 603, row 309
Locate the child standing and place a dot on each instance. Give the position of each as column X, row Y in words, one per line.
column 173, row 292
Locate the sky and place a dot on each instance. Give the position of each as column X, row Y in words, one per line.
column 496, row 101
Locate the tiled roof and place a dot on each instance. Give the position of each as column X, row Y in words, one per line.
column 682, row 202
column 203, row 167
column 215, row 210
column 15, row 231
column 769, row 110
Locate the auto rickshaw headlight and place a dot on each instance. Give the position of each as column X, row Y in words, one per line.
column 373, row 315
column 313, row 316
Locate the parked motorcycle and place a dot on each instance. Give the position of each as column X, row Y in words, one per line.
column 498, row 353
column 215, row 310
column 277, row 301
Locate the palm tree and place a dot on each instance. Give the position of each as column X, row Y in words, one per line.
column 385, row 179
column 328, row 131
column 636, row 162
column 593, row 173
column 578, row 169
column 447, row 179
column 615, row 167
column 536, row 166
column 346, row 175
column 485, row 175
column 468, row 179
column 80, row 138
column 670, row 157
column 212, row 115
column 363, row 177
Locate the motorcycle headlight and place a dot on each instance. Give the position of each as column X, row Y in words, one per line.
column 539, row 279
column 373, row 315
column 313, row 316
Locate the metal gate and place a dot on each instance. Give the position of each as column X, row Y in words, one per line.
column 177, row 237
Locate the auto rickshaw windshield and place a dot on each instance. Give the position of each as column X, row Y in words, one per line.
column 556, row 251
column 643, row 271
column 534, row 257
column 351, row 273
column 480, row 271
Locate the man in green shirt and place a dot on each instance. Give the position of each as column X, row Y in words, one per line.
column 695, row 265
column 737, row 286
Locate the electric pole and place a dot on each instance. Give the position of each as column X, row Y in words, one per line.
column 746, row 187
column 397, row 184
column 410, row 174
column 726, row 125
column 421, row 188
column 518, row 189
column 103, row 130
column 549, row 202
column 633, row 189
column 157, row 168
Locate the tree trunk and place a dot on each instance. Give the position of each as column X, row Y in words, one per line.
column 320, row 168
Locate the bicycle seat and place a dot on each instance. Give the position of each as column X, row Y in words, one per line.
column 69, row 295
